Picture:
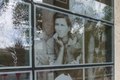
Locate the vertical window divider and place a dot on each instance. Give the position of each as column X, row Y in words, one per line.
column 30, row 35
column 32, row 22
column 113, row 39
column 84, row 52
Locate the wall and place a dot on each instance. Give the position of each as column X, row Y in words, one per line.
column 117, row 39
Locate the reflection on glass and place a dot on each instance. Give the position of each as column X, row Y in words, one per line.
column 99, row 73
column 15, row 76
column 73, row 74
column 92, row 8
column 58, row 38
column 14, row 34
column 100, row 9
column 98, row 43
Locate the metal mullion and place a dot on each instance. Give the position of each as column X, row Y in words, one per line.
column 28, row 1
column 74, row 66
column 32, row 22
column 113, row 38
column 16, row 69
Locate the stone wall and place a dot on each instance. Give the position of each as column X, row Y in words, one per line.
column 117, row 39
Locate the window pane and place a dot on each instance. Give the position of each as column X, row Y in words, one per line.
column 99, row 73
column 15, row 76
column 15, row 34
column 100, row 9
column 98, row 43
column 58, row 38
column 68, row 74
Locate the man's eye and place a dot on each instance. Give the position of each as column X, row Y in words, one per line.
column 56, row 24
column 62, row 24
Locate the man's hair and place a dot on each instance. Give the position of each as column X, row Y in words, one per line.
column 60, row 15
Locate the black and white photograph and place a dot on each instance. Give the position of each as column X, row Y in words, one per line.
column 58, row 38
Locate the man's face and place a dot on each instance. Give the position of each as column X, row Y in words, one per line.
column 61, row 27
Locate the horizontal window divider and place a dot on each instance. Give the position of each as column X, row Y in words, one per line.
column 15, row 69
column 27, row 1
column 76, row 66
column 60, row 67
column 70, row 12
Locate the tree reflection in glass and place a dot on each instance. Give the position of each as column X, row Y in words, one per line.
column 14, row 34
column 99, row 73
column 98, row 43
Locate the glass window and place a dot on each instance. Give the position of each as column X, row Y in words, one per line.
column 56, row 41
column 15, row 76
column 66, row 74
column 99, row 73
column 58, row 38
column 15, row 34
column 98, row 43
column 99, row 9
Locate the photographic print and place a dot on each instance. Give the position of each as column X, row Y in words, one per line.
column 58, row 38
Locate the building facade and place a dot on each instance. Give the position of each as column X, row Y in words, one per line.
column 57, row 40
column 117, row 38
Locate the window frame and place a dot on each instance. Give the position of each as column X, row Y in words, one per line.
column 32, row 69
